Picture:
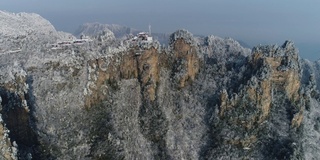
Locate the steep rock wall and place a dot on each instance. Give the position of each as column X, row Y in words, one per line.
column 273, row 87
column 200, row 98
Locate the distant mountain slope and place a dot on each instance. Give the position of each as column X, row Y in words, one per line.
column 119, row 31
column 244, row 44
column 91, row 29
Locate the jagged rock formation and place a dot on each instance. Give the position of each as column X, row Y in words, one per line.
column 198, row 98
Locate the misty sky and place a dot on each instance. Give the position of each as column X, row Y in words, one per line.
column 251, row 21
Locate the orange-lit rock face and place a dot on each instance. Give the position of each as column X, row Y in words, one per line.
column 145, row 67
column 129, row 67
column 189, row 61
column 287, row 80
column 149, row 72
column 104, row 74
column 277, row 76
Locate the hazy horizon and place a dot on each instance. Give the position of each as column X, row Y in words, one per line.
column 252, row 21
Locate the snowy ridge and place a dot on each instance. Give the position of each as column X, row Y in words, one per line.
column 26, row 31
column 225, row 45
column 183, row 34
column 23, row 24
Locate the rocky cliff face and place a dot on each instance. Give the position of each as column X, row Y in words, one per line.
column 199, row 98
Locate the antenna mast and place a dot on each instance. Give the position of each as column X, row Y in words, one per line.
column 149, row 29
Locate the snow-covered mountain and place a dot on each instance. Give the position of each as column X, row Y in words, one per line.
column 108, row 98
column 27, row 30
column 19, row 24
